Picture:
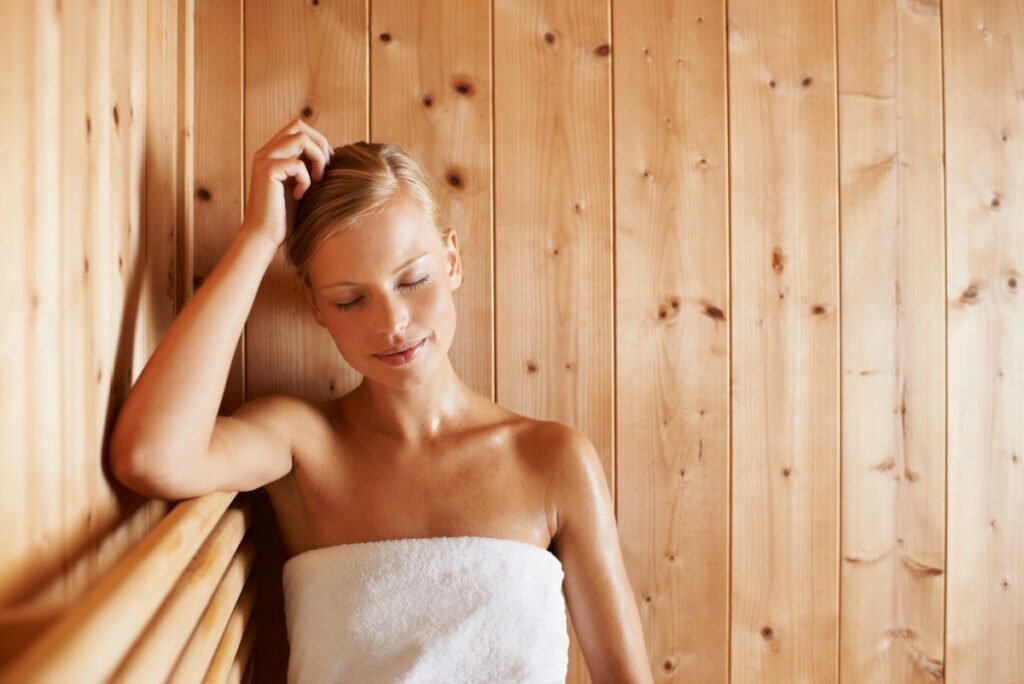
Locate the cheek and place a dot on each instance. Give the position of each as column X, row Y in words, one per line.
column 434, row 306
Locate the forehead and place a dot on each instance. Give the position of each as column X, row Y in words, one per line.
column 376, row 246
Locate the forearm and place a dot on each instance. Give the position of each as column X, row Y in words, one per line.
column 173, row 405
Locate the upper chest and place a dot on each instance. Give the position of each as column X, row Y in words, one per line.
column 489, row 481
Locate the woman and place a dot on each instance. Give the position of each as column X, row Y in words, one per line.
column 412, row 474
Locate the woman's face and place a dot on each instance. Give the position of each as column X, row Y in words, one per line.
column 385, row 283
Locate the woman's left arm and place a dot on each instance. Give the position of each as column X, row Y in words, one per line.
column 597, row 590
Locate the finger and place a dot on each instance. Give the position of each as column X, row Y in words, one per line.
column 287, row 131
column 281, row 169
column 302, row 181
column 299, row 143
column 319, row 137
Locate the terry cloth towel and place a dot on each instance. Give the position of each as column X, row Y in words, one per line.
column 437, row 609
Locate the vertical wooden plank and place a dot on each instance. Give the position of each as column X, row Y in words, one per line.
column 984, row 98
column 308, row 60
column 671, row 256
column 185, row 168
column 785, row 349
column 431, row 89
column 893, row 341
column 219, row 163
column 553, row 220
column 80, row 125
column 30, row 295
column 161, row 214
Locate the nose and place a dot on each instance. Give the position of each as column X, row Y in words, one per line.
column 390, row 315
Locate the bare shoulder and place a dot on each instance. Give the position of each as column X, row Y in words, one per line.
column 561, row 447
column 285, row 414
column 567, row 461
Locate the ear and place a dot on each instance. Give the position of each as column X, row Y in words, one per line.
column 453, row 258
column 311, row 300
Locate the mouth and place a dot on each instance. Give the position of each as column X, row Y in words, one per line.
column 400, row 348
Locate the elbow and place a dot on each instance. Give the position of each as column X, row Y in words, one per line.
column 138, row 470
column 129, row 469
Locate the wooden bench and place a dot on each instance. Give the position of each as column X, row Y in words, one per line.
column 175, row 608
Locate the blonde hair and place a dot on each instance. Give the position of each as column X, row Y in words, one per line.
column 361, row 179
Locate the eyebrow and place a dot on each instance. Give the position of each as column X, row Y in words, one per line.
column 347, row 282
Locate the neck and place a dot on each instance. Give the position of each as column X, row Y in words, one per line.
column 414, row 415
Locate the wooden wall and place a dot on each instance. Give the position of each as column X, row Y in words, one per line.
column 92, row 206
column 767, row 256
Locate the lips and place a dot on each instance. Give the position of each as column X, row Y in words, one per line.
column 400, row 348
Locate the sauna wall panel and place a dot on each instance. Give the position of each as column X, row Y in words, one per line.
column 983, row 56
column 672, row 328
column 893, row 341
column 785, row 342
column 90, row 111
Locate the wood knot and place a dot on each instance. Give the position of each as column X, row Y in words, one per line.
column 996, row 201
column 767, row 633
column 531, row 366
column 778, row 260
column 428, row 101
column 203, row 194
column 771, row 83
column 669, row 309
column 970, row 295
column 901, row 633
column 712, row 311
column 88, row 125
column 464, row 87
column 603, row 50
column 786, row 471
column 1012, row 282
column 454, row 178
column 385, row 37
column 549, row 38
column 307, row 112
column 807, row 81
column 117, row 117
column 818, row 310
column 316, row 2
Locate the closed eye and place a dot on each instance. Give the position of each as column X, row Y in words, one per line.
column 345, row 306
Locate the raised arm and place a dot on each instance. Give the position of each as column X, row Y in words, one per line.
column 168, row 440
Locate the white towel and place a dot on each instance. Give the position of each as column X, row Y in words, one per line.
column 426, row 610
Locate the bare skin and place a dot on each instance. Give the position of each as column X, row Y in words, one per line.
column 412, row 451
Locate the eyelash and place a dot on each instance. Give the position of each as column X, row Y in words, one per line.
column 345, row 306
